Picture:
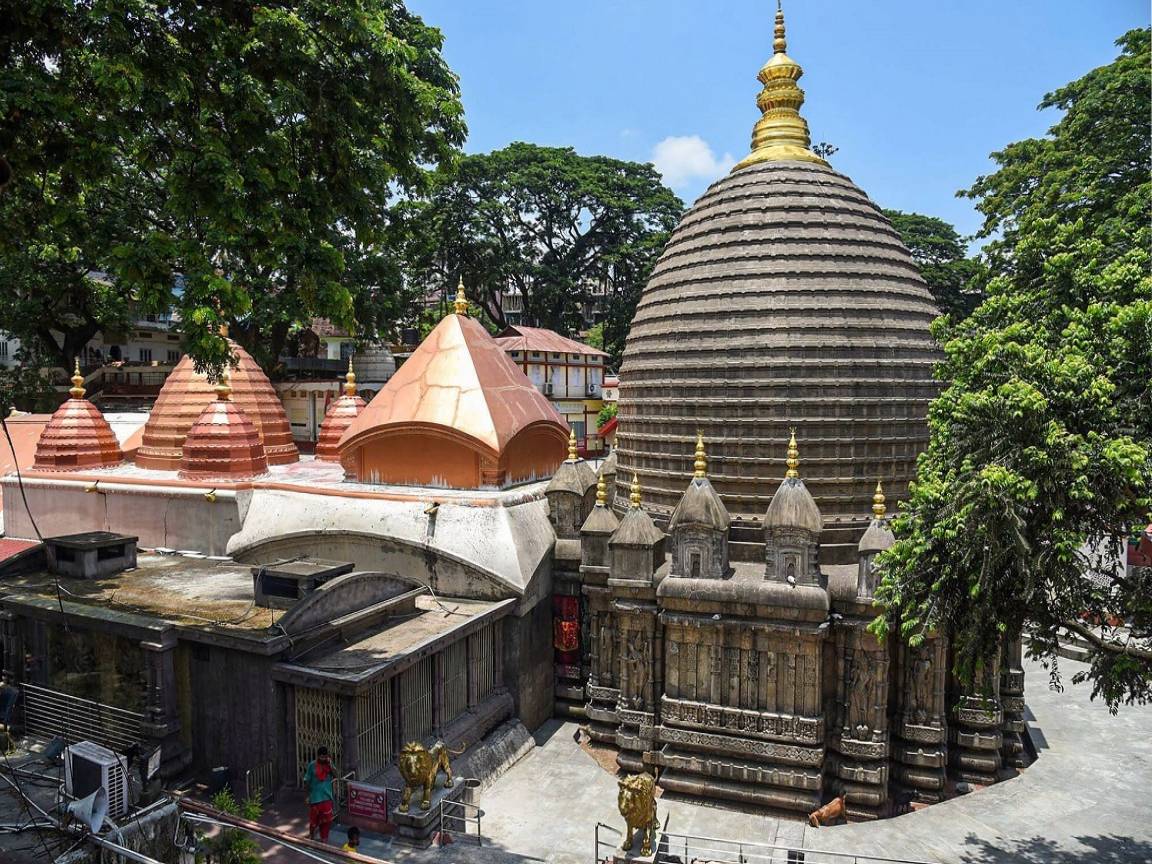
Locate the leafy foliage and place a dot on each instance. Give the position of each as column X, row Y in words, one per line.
column 251, row 147
column 231, row 845
column 1040, row 460
column 551, row 224
column 606, row 413
column 952, row 277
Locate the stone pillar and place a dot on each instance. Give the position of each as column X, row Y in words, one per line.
column 162, row 717
column 920, row 751
column 978, row 714
column 1013, row 727
column 862, row 739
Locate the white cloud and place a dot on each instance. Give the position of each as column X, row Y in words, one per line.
column 682, row 159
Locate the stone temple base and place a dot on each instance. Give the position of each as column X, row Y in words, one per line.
column 417, row 827
column 633, row 856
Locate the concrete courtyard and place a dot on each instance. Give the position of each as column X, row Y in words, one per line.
column 1085, row 799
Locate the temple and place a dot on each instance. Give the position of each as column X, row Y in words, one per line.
column 448, row 566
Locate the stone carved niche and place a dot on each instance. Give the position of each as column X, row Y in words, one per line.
column 699, row 553
column 922, row 689
column 865, row 695
column 603, row 644
column 791, row 556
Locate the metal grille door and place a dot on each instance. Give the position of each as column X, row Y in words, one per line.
column 374, row 729
column 455, row 663
column 318, row 723
column 53, row 714
column 416, row 699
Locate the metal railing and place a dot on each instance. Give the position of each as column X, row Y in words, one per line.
column 260, row 782
column 456, row 817
column 54, row 714
column 674, row 848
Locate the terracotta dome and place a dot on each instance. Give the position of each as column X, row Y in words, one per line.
column 339, row 416
column 223, row 444
column 187, row 393
column 459, row 413
column 77, row 437
column 784, row 298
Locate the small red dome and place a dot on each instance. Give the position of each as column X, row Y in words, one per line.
column 185, row 395
column 223, row 444
column 77, row 437
column 343, row 410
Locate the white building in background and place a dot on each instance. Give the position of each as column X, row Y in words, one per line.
column 569, row 373
column 611, row 389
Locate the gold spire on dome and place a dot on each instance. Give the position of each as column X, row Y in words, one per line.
column 77, row 390
column 878, row 508
column 635, row 496
column 700, row 466
column 224, row 386
column 461, row 304
column 572, row 454
column 793, row 457
column 350, row 380
column 780, row 134
column 601, row 492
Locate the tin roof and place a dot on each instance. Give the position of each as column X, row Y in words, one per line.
column 538, row 339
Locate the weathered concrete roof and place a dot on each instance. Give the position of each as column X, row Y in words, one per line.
column 601, row 521
column 877, row 538
column 636, row 529
column 575, row 476
column 793, row 507
column 783, row 299
column 701, row 505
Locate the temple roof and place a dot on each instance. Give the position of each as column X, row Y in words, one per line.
column 458, row 379
column 77, row 437
column 344, row 409
column 520, row 338
column 223, row 443
column 187, row 393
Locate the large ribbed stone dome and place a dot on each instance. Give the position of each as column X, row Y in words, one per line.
column 783, row 299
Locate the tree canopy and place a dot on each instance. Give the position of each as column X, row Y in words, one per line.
column 558, row 228
column 252, row 148
column 939, row 252
column 1040, row 459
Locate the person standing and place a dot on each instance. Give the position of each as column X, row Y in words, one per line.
column 321, row 799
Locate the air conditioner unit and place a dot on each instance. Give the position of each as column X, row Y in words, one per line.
column 592, row 388
column 548, row 389
column 88, row 767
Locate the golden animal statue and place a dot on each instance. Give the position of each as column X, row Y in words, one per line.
column 637, row 803
column 420, row 766
column 834, row 809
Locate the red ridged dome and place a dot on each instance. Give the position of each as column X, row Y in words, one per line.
column 77, row 436
column 187, row 393
column 223, row 444
column 343, row 410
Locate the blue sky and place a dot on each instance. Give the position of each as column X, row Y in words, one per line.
column 915, row 93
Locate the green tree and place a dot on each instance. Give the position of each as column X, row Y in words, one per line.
column 608, row 412
column 550, row 224
column 233, row 845
column 1040, row 459
column 953, row 278
column 252, row 148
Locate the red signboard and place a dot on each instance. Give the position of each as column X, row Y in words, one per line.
column 367, row 802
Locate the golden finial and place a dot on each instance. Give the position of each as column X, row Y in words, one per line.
column 572, row 454
column 878, row 508
column 461, row 304
column 780, row 134
column 793, row 457
column 224, row 386
column 350, row 380
column 77, row 391
column 601, row 492
column 635, row 496
column 701, row 463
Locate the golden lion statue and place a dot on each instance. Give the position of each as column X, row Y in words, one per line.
column 420, row 767
column 637, row 803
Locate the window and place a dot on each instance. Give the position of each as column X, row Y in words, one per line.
column 173, row 356
column 3, row 350
column 145, row 355
column 347, row 349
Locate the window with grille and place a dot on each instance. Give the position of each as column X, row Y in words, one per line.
column 455, row 665
column 416, row 699
column 374, row 729
column 482, row 648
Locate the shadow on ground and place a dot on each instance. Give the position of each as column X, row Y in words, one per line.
column 1102, row 849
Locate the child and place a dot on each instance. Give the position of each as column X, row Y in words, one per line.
column 353, row 844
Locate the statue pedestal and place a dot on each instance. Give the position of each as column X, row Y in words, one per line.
column 633, row 856
column 417, row 827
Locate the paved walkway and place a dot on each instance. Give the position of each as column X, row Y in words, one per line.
column 1088, row 798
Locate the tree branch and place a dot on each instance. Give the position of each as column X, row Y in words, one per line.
column 1109, row 645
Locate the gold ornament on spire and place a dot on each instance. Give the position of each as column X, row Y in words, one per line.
column 878, row 508
column 461, row 304
column 350, row 380
column 780, row 134
column 601, row 492
column 77, row 390
column 635, row 496
column 572, row 454
column 793, row 457
column 700, row 466
column 224, row 386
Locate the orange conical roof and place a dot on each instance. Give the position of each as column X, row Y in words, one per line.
column 77, row 437
column 459, row 378
column 223, row 444
column 343, row 410
column 187, row 393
